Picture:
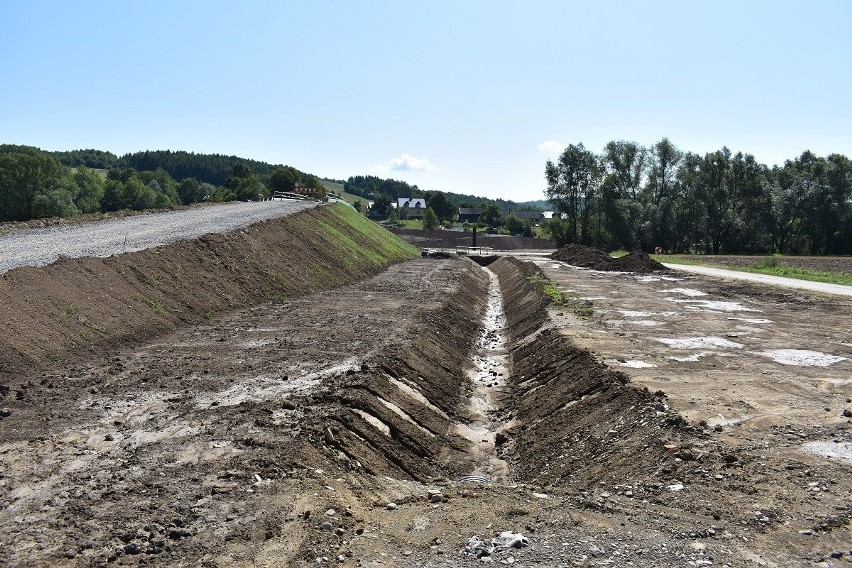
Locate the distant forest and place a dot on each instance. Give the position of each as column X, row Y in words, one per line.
column 631, row 196
column 37, row 184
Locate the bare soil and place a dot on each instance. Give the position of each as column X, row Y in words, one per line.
column 342, row 426
column 451, row 239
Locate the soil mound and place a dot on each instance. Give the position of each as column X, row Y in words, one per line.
column 588, row 257
column 636, row 261
column 583, row 256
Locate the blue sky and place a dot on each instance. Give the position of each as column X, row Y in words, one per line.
column 463, row 96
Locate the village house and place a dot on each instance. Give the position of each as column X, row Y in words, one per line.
column 415, row 207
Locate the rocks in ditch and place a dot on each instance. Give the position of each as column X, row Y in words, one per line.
column 4, row 412
column 846, row 413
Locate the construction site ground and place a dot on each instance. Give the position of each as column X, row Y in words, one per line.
column 433, row 413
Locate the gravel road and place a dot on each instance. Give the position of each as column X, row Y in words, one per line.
column 825, row 288
column 38, row 247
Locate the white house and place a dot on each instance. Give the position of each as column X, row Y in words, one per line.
column 414, row 206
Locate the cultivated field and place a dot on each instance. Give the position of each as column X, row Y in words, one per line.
column 306, row 392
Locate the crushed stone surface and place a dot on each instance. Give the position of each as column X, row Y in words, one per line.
column 38, row 247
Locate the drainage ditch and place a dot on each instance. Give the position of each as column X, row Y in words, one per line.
column 488, row 377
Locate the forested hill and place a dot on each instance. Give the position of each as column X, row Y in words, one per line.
column 206, row 168
column 372, row 187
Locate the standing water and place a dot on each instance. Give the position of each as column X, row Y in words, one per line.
column 488, row 377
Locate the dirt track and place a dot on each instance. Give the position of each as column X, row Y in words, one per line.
column 281, row 433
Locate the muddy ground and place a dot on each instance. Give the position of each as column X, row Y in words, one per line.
column 412, row 416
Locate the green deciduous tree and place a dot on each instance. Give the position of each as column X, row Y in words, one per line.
column 284, row 179
column 430, row 220
column 490, row 216
column 572, row 185
column 90, row 190
column 34, row 185
column 443, row 207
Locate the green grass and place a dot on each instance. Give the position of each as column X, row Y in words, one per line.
column 775, row 269
column 771, row 265
column 581, row 308
column 365, row 239
column 156, row 306
column 553, row 292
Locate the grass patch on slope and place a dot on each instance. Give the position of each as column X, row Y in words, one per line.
column 357, row 239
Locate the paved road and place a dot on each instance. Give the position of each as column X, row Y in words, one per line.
column 838, row 289
column 38, row 247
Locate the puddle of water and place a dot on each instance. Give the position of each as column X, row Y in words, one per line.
column 491, row 369
column 691, row 292
column 700, row 343
column 637, row 364
column 801, row 357
column 830, row 449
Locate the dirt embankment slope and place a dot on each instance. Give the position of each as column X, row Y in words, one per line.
column 94, row 305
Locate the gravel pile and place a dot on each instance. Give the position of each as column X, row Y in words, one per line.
column 38, row 247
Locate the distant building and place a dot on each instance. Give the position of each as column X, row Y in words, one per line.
column 415, row 207
column 305, row 190
column 529, row 215
column 469, row 214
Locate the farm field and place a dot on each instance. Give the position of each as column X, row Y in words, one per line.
column 401, row 411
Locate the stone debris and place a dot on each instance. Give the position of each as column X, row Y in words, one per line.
column 506, row 540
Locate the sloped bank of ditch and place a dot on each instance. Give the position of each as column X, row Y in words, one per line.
column 395, row 416
column 578, row 422
column 81, row 307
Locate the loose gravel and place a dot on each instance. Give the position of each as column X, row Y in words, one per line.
column 38, row 247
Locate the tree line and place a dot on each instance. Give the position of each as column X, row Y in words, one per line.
column 383, row 192
column 631, row 196
column 36, row 184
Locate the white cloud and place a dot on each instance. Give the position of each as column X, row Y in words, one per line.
column 552, row 146
column 407, row 162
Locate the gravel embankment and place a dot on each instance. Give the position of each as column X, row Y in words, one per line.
column 38, row 247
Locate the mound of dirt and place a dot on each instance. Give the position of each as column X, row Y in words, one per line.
column 636, row 261
column 583, row 256
column 589, row 257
